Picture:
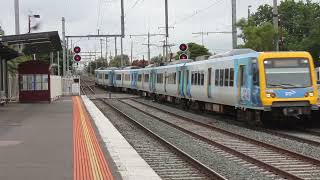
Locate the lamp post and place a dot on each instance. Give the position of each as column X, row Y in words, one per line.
column 29, row 20
column 249, row 11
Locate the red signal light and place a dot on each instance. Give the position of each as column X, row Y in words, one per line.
column 183, row 47
column 183, row 56
column 77, row 49
column 77, row 58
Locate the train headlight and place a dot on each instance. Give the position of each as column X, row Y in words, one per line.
column 271, row 95
column 308, row 94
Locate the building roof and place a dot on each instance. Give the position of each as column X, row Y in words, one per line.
column 34, row 43
column 7, row 53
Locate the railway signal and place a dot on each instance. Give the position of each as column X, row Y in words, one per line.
column 184, row 54
column 77, row 57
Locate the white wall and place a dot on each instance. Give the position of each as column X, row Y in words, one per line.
column 55, row 87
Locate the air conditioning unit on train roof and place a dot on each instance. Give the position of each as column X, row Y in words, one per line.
column 233, row 52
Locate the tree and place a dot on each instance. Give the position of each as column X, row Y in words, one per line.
column 140, row 63
column 298, row 26
column 157, row 59
column 116, row 61
column 195, row 50
column 98, row 63
column 258, row 37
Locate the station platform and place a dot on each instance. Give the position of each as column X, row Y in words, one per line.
column 67, row 139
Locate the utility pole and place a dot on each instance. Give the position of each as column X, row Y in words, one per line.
column 167, row 27
column 115, row 46
column 16, row 16
column 163, row 50
column 68, row 54
column 122, row 31
column 234, row 23
column 131, row 51
column 107, row 49
column 58, row 59
column 64, row 47
column 101, row 48
column 249, row 11
column 207, row 33
column 275, row 23
column 148, row 44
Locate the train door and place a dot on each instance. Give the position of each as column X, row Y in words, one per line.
column 180, row 85
column 153, row 80
column 209, row 82
column 165, row 81
column 122, row 79
column 241, row 83
column 186, row 83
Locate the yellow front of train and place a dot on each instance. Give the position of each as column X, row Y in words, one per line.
column 288, row 82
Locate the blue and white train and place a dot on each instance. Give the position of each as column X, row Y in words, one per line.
column 253, row 84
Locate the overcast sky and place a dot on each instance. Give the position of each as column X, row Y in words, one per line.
column 86, row 16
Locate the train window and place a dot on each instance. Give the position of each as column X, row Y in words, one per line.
column 127, row 77
column 199, row 79
column 255, row 74
column 146, row 78
column 242, row 76
column 209, row 76
column 172, row 78
column 159, row 78
column 106, row 76
column 202, row 79
column 226, row 77
column 231, row 77
column 118, row 77
column 192, row 78
column 196, row 79
column 139, row 77
column 221, row 77
column 216, row 77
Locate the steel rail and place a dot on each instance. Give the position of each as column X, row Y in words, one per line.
column 197, row 164
column 230, row 150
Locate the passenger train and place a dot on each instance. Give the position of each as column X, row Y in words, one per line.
column 257, row 86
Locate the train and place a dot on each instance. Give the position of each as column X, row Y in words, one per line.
column 255, row 86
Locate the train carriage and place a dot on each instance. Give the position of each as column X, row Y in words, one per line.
column 252, row 83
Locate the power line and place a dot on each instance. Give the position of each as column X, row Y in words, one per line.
column 133, row 6
column 197, row 12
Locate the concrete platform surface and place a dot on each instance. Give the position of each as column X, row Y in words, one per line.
column 36, row 141
column 129, row 163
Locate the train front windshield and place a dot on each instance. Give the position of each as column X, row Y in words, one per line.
column 287, row 73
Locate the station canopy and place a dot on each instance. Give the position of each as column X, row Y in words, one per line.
column 33, row 43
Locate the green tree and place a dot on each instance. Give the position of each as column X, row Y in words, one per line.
column 116, row 61
column 99, row 63
column 157, row 59
column 298, row 26
column 195, row 50
column 258, row 37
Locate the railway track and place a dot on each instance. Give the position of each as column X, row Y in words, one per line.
column 86, row 87
column 167, row 160
column 280, row 161
column 306, row 136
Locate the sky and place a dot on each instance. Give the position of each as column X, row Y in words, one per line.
column 85, row 17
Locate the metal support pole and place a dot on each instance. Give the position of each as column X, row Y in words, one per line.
column 149, row 54
column 101, row 49
column 64, row 47
column 122, row 63
column 17, row 16
column 107, row 49
column 68, row 54
column 234, row 23
column 58, row 59
column 122, row 19
column 275, row 23
column 131, row 52
column 167, row 27
column 115, row 46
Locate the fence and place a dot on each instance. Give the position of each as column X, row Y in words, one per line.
column 55, row 87
column 71, row 85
